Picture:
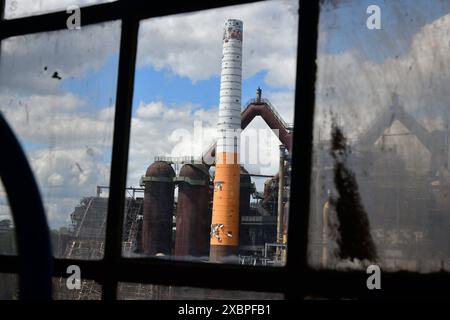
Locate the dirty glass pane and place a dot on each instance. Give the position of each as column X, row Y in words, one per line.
column 7, row 234
column 9, row 286
column 381, row 180
column 139, row 291
column 70, row 289
column 172, row 173
column 24, row 8
column 57, row 91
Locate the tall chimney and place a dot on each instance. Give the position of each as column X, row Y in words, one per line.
column 225, row 215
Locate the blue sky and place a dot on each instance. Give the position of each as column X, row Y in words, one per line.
column 401, row 20
column 157, row 85
column 153, row 85
column 178, row 65
column 97, row 87
column 66, row 124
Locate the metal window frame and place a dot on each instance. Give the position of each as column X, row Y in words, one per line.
column 296, row 280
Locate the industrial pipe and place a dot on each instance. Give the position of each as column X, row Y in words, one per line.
column 280, row 208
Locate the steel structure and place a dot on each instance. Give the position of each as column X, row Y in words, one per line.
column 296, row 279
column 254, row 108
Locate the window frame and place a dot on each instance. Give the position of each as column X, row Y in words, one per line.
column 296, row 279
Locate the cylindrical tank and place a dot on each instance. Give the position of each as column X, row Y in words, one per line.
column 193, row 214
column 158, row 209
column 246, row 189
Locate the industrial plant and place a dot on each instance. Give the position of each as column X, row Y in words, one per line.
column 186, row 210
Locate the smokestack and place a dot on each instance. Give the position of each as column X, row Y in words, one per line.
column 225, row 215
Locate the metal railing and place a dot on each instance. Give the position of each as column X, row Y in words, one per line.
column 289, row 126
column 179, row 160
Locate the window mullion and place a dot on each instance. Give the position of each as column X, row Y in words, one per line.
column 122, row 121
column 302, row 144
column 2, row 9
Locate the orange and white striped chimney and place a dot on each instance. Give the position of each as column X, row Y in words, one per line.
column 225, row 215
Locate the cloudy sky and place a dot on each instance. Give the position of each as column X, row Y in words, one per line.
column 359, row 69
column 58, row 89
column 58, row 92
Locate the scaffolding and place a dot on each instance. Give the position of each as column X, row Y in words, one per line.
column 86, row 239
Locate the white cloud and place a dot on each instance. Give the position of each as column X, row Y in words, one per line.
column 359, row 90
column 29, row 62
column 190, row 45
column 57, row 120
column 162, row 130
column 65, row 176
column 187, row 45
column 69, row 143
column 55, row 180
column 150, row 111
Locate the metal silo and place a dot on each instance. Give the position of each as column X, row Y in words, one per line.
column 158, row 209
column 193, row 215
